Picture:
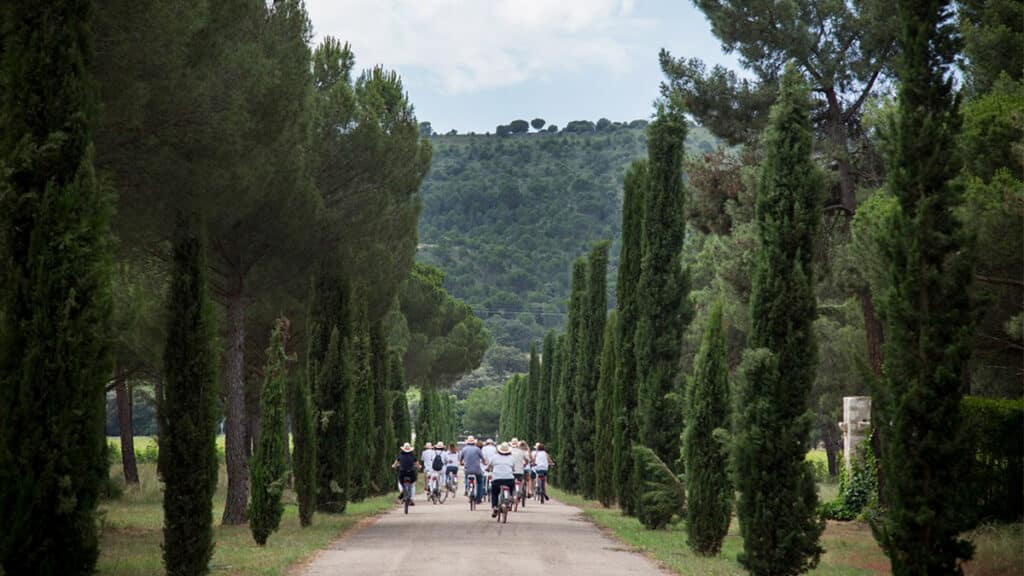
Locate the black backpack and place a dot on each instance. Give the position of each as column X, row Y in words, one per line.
column 438, row 462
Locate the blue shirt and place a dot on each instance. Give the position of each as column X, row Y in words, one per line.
column 472, row 458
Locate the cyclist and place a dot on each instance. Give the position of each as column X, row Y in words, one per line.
column 436, row 466
column 472, row 459
column 542, row 461
column 451, row 458
column 519, row 459
column 501, row 468
column 528, row 473
column 426, row 459
column 406, row 463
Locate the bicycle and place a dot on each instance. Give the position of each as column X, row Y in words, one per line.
column 442, row 495
column 406, row 493
column 518, row 491
column 434, row 490
column 472, row 490
column 523, row 493
column 504, row 503
column 541, row 493
column 451, row 484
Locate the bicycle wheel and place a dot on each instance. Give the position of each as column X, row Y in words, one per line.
column 504, row 514
column 442, row 496
column 406, row 498
column 472, row 496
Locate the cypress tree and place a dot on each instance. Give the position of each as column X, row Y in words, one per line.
column 772, row 432
column 604, row 413
column 662, row 496
column 588, row 371
column 54, row 292
column 662, row 296
column 362, row 443
column 400, row 404
column 533, row 394
column 188, row 409
column 304, row 451
column 269, row 468
column 545, row 408
column 426, row 417
column 567, row 478
column 927, row 309
column 522, row 404
column 553, row 392
column 625, row 384
column 382, row 410
column 708, row 488
column 334, row 415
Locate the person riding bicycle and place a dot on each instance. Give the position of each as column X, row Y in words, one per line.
column 519, row 459
column 542, row 461
column 426, row 458
column 473, row 461
column 528, row 473
column 501, row 468
column 435, row 466
column 451, row 460
column 406, row 463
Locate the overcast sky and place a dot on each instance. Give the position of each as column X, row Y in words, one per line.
column 473, row 64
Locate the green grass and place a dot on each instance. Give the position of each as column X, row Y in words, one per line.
column 131, row 533
column 849, row 546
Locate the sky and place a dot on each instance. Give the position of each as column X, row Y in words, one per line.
column 470, row 65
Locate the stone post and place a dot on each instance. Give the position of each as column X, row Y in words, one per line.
column 855, row 425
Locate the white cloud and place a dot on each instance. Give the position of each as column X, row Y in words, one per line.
column 466, row 46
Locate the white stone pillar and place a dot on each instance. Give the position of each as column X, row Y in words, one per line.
column 855, row 425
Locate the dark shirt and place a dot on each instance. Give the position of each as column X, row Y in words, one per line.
column 472, row 458
column 406, row 462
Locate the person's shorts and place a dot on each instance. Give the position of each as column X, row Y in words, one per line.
column 519, row 476
column 533, row 473
column 403, row 475
column 452, row 470
column 543, row 473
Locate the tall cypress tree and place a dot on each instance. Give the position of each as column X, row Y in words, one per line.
column 400, row 406
column 54, row 291
column 362, row 444
column 588, row 372
column 545, row 409
column 567, row 478
column 304, row 451
column 554, row 392
column 662, row 295
column 382, row 406
column 625, row 384
column 188, row 409
column 708, row 488
column 334, row 416
column 522, row 404
column 604, row 413
column 927, row 309
column 533, row 394
column 772, row 432
column 269, row 468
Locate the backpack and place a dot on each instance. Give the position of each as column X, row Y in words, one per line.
column 438, row 462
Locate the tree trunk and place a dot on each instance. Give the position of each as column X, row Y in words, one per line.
column 123, row 392
column 873, row 330
column 234, row 392
column 158, row 391
column 841, row 154
column 832, row 443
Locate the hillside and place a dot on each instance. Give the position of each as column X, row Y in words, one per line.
column 504, row 216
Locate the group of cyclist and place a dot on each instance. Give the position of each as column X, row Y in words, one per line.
column 504, row 465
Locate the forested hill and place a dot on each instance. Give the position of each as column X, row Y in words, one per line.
column 504, row 216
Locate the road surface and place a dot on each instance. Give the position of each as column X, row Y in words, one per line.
column 550, row 540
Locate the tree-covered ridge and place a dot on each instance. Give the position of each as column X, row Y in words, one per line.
column 505, row 217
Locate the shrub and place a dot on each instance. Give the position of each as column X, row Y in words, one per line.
column 662, row 494
column 858, row 486
column 995, row 431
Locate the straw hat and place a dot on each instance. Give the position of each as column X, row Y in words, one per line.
column 470, row 440
column 503, row 448
column 439, row 444
column 406, row 447
column 490, row 441
column 514, row 442
column 428, row 446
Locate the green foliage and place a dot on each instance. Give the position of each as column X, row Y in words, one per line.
column 709, row 491
column 269, row 467
column 362, row 444
column 928, row 310
column 537, row 123
column 300, row 406
column 625, row 385
column 55, row 301
column 992, row 138
column 188, row 409
column 518, row 127
column 588, row 369
column 482, row 411
column 858, row 486
column 995, row 431
column 604, row 414
column 399, row 402
column 545, row 408
column 575, row 330
column 662, row 295
column 772, row 424
column 993, row 32
column 662, row 496
column 333, row 393
column 533, row 394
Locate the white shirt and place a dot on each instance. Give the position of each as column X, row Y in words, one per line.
column 451, row 459
column 519, row 459
column 540, row 459
column 502, row 466
column 428, row 459
column 489, row 451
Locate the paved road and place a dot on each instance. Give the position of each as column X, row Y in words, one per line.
column 550, row 539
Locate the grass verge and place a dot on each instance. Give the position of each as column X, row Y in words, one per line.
column 131, row 533
column 850, row 548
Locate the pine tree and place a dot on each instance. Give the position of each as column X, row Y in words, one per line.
column 772, row 431
column 269, row 468
column 588, row 371
column 604, row 413
column 625, row 384
column 188, row 409
column 55, row 303
column 304, row 450
column 927, row 309
column 533, row 394
column 545, row 409
column 567, row 478
column 662, row 295
column 708, row 488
